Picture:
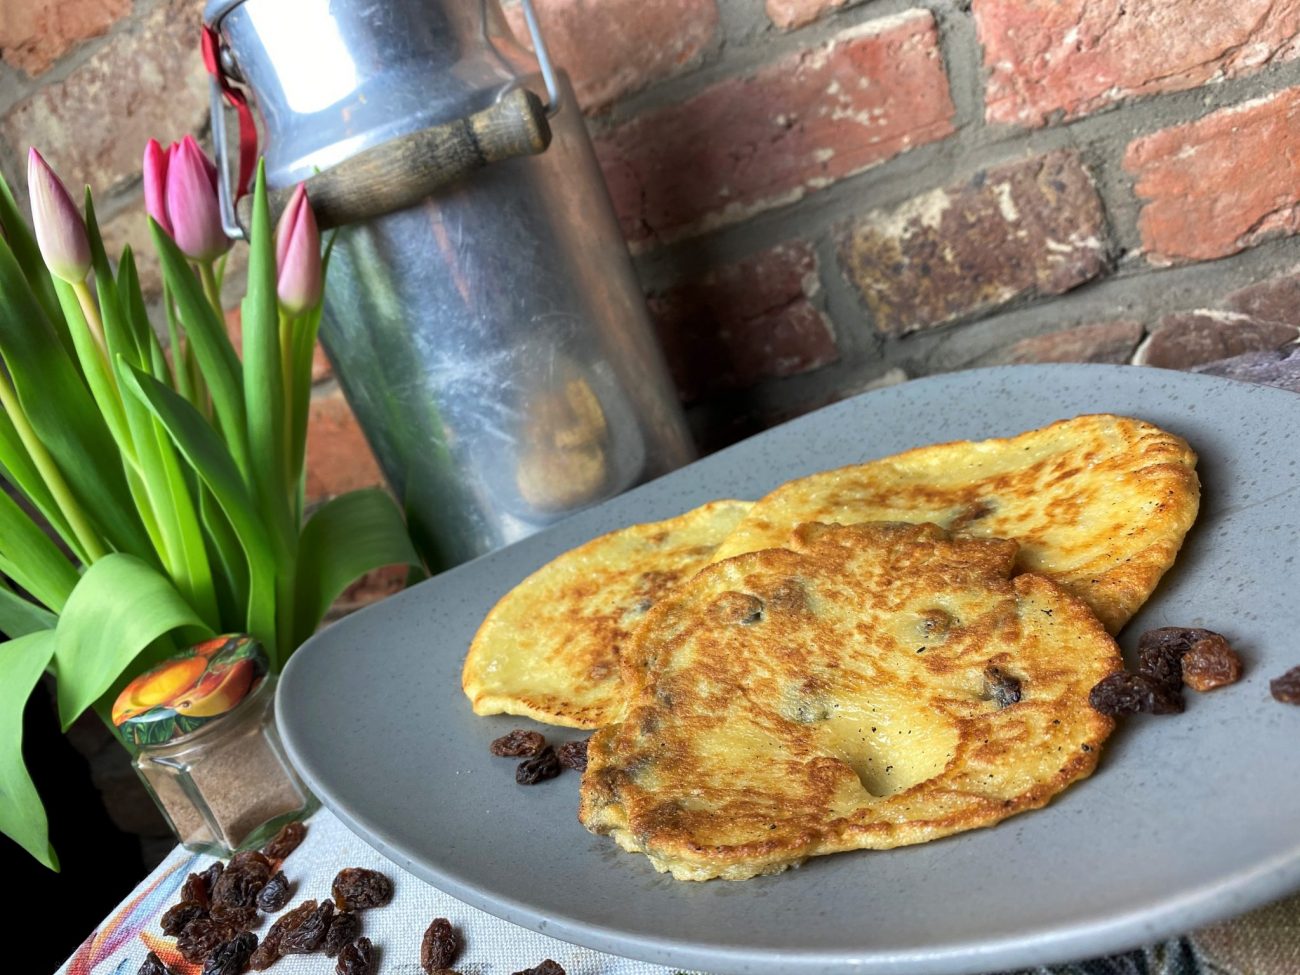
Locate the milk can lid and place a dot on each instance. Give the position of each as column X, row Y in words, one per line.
column 189, row 690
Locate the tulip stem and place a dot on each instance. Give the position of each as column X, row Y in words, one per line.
column 89, row 546
column 93, row 321
column 211, row 289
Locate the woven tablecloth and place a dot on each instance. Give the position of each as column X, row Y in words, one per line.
column 1266, row 942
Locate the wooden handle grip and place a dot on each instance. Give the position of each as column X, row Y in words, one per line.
column 405, row 170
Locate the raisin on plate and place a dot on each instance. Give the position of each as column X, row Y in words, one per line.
column 355, row 958
column 518, row 744
column 275, row 894
column 547, row 967
column 232, row 957
column 307, row 933
column 1287, row 687
column 1001, row 687
column 356, row 889
column 1209, row 663
column 533, row 770
column 285, row 841
column 1124, row 693
column 344, row 929
column 573, row 754
column 439, row 947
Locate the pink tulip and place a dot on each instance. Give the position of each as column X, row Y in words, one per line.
column 297, row 255
column 156, row 159
column 192, row 204
column 60, row 229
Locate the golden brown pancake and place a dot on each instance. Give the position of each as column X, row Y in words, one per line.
column 549, row 649
column 839, row 696
column 1099, row 504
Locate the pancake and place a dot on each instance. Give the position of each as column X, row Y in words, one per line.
column 852, row 692
column 1099, row 504
column 549, row 649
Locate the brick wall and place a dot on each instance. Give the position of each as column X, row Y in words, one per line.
column 826, row 195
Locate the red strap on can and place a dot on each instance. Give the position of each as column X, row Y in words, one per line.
column 247, row 129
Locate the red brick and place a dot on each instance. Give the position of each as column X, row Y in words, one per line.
column 751, row 143
column 1220, row 184
column 746, row 322
column 1187, row 339
column 320, row 366
column 789, row 14
column 1025, row 228
column 338, row 458
column 613, row 47
column 1273, row 300
column 1074, row 57
column 143, row 83
column 1099, row 342
column 36, row 33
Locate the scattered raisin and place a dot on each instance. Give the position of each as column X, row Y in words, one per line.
column 1001, row 687
column 212, row 875
column 285, row 841
column 518, row 744
column 343, row 930
column 1160, row 652
column 1209, row 663
column 153, row 964
column 242, row 881
column 195, row 889
column 266, row 955
column 307, row 933
column 547, row 967
column 573, row 754
column 356, row 888
column 533, row 770
column 1125, row 693
column 173, row 922
column 254, row 859
column 440, row 946
column 232, row 957
column 274, row 895
column 355, row 958
column 200, row 937
column 238, row 917
column 1287, row 687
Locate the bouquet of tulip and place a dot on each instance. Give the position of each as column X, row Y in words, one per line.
column 174, row 483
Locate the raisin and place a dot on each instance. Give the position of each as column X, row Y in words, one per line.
column 1001, row 687
column 211, row 876
column 285, row 841
column 267, row 953
column 274, row 895
column 1209, row 663
column 179, row 915
column 307, row 933
column 573, row 754
column 343, row 930
column 533, row 770
column 254, row 859
column 242, row 881
column 356, row 888
column 1160, row 652
column 440, row 946
column 200, row 937
column 153, row 964
column 195, row 889
column 547, row 967
column 1124, row 693
column 232, row 957
column 1287, row 687
column 355, row 958
column 518, row 744
column 239, row 918
column 739, row 608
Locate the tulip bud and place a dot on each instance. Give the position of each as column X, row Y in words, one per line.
column 297, row 255
column 192, row 204
column 60, row 229
column 156, row 159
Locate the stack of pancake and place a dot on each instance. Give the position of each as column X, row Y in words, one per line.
column 867, row 657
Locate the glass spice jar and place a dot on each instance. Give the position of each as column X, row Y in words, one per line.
column 202, row 728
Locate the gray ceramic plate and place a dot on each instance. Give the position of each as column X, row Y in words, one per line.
column 1188, row 819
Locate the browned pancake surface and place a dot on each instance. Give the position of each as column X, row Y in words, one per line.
column 836, row 696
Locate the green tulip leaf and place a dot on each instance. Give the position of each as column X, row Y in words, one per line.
column 18, row 616
column 342, row 541
column 35, row 562
column 120, row 606
column 22, row 817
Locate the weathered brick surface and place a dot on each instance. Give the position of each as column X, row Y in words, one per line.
column 338, row 457
column 1273, row 300
column 1220, row 184
column 1099, row 342
column 613, row 47
column 1186, row 339
column 1029, row 227
column 744, row 323
column 1075, row 56
column 36, row 33
column 789, row 14
column 145, row 82
column 751, row 143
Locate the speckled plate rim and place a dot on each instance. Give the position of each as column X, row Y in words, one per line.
column 1087, row 936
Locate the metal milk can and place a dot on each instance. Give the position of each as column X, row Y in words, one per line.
column 481, row 312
